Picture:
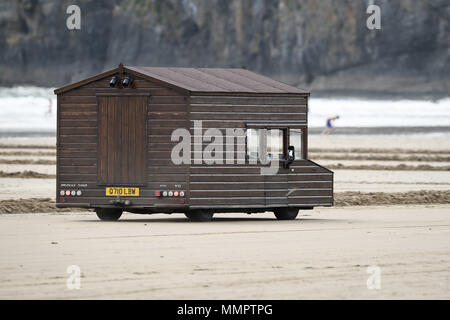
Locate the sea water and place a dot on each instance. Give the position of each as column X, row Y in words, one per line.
column 33, row 110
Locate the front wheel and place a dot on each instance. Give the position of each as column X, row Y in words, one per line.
column 105, row 214
column 286, row 213
column 199, row 215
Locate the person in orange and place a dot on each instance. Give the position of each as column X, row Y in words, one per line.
column 329, row 126
column 49, row 110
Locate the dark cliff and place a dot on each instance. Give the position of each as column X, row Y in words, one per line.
column 318, row 45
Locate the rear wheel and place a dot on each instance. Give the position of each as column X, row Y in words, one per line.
column 108, row 214
column 199, row 215
column 286, row 213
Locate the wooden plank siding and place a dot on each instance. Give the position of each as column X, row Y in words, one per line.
column 79, row 149
column 122, row 140
column 305, row 184
column 81, row 162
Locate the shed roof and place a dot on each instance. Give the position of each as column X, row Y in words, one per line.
column 219, row 80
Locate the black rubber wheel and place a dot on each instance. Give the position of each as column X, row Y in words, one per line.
column 286, row 213
column 108, row 214
column 199, row 215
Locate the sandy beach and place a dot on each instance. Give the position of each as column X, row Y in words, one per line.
column 412, row 151
column 323, row 254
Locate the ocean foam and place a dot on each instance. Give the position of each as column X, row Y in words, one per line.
column 26, row 109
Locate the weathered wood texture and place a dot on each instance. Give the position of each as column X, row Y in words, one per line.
column 100, row 140
column 122, row 136
column 223, row 185
column 122, row 140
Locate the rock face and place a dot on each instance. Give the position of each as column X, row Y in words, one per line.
column 317, row 45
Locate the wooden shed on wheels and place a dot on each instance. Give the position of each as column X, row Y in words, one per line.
column 191, row 140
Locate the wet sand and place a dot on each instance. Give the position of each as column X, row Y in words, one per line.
column 341, row 199
column 360, row 162
column 363, row 176
column 26, row 174
column 423, row 141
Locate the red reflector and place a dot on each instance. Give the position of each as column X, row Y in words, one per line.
column 62, row 200
column 157, row 194
column 175, row 194
column 182, row 201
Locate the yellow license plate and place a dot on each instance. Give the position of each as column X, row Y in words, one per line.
column 122, row 191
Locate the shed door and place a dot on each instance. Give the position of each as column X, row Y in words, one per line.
column 122, row 144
